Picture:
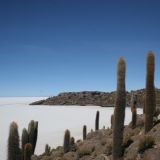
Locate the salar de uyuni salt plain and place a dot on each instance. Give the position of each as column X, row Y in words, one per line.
column 53, row 120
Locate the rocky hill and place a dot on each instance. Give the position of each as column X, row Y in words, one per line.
column 104, row 99
column 98, row 145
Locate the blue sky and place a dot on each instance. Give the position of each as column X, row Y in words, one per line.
column 52, row 46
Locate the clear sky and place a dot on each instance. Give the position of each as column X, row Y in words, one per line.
column 52, row 46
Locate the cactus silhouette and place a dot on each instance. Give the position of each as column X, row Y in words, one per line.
column 24, row 140
column 27, row 151
column 119, row 112
column 14, row 152
column 150, row 104
column 72, row 141
column 134, row 110
column 97, row 121
column 112, row 119
column 47, row 150
column 66, row 144
column 84, row 132
column 33, row 133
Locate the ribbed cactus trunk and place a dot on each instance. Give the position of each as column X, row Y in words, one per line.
column 134, row 110
column 66, row 144
column 150, row 104
column 84, row 132
column 144, row 103
column 14, row 152
column 33, row 133
column 119, row 112
column 27, row 151
column 24, row 140
column 97, row 121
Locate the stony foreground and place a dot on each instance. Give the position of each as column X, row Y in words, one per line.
column 98, row 145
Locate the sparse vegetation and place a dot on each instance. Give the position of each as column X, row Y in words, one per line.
column 85, row 150
column 145, row 143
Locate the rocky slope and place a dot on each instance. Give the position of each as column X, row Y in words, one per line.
column 98, row 145
column 104, row 99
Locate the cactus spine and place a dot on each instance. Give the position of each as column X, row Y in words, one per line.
column 119, row 112
column 27, row 151
column 33, row 133
column 97, row 121
column 134, row 110
column 150, row 93
column 66, row 144
column 14, row 152
column 25, row 140
column 84, row 132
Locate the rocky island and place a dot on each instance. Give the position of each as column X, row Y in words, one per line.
column 95, row 98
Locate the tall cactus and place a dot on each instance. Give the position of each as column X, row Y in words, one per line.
column 66, row 144
column 24, row 140
column 14, row 152
column 119, row 112
column 72, row 141
column 97, row 121
column 150, row 104
column 112, row 120
column 27, row 151
column 33, row 133
column 47, row 150
column 84, row 132
column 134, row 110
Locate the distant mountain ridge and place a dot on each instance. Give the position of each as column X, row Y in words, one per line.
column 95, row 98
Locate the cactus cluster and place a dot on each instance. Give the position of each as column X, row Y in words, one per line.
column 28, row 142
column 119, row 112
